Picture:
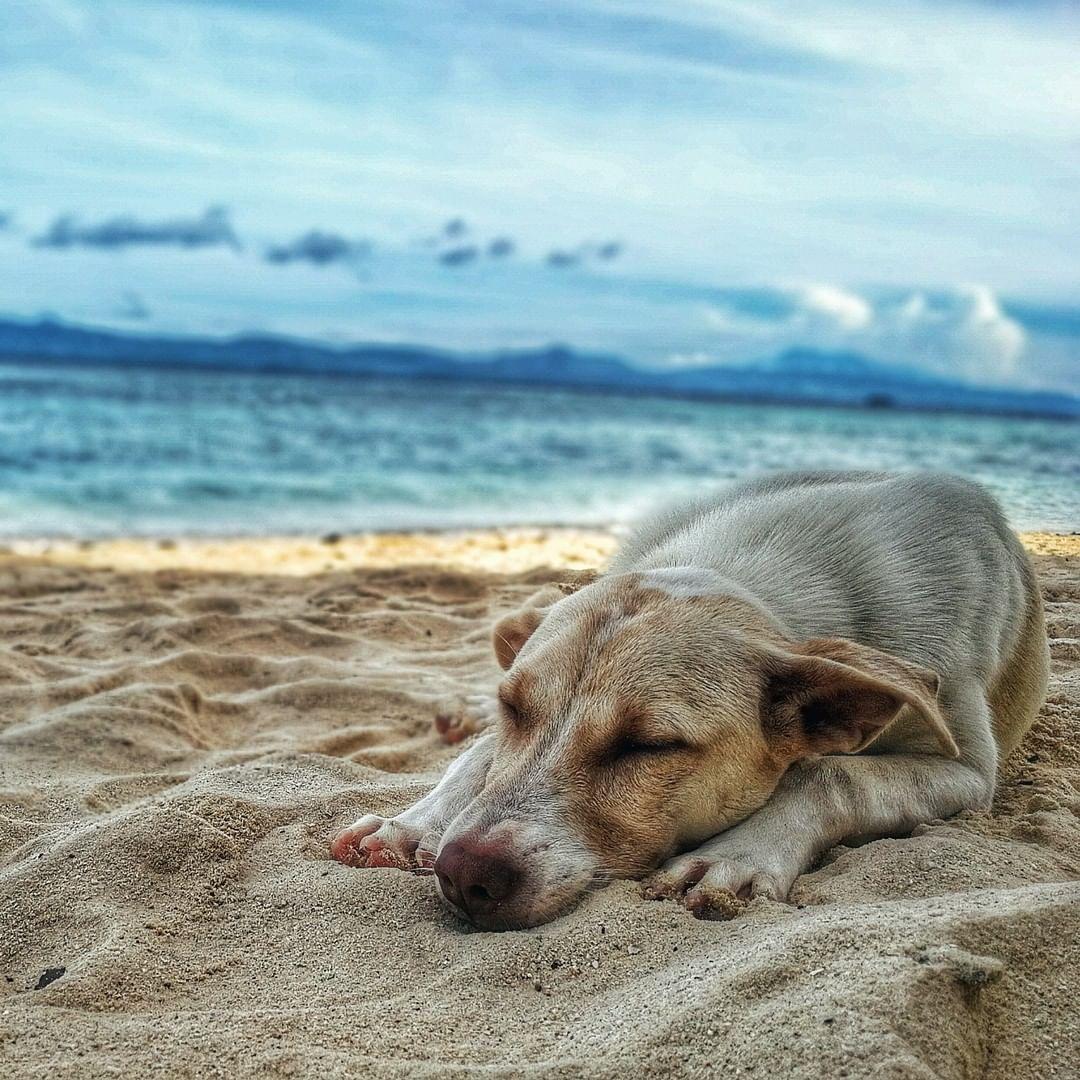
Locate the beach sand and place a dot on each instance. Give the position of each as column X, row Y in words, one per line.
column 184, row 726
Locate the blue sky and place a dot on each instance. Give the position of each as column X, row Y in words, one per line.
column 691, row 182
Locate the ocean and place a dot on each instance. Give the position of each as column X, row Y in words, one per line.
column 97, row 451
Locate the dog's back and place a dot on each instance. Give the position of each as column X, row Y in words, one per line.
column 920, row 565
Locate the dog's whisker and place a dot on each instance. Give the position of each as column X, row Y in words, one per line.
column 508, row 644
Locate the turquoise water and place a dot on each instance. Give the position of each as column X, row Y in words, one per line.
column 99, row 452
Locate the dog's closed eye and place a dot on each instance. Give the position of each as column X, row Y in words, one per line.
column 512, row 713
column 632, row 747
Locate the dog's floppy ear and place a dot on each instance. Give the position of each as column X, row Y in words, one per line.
column 578, row 580
column 512, row 631
column 829, row 696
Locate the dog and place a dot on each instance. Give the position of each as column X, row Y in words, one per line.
column 802, row 660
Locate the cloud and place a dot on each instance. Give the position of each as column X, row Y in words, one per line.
column 465, row 251
column 962, row 331
column 563, row 259
column 605, row 252
column 209, row 230
column 459, row 256
column 459, row 252
column 318, row 248
column 836, row 307
column 459, row 245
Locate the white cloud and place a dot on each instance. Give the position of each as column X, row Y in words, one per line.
column 961, row 331
column 835, row 307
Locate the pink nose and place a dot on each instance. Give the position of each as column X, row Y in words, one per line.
column 476, row 879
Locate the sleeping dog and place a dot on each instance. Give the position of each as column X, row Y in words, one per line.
column 803, row 660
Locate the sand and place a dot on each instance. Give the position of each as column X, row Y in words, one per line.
column 490, row 551
column 183, row 727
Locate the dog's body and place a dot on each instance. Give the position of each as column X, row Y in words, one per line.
column 802, row 660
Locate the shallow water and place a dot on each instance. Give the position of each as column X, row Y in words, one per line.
column 101, row 451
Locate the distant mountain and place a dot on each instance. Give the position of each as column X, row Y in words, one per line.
column 798, row 376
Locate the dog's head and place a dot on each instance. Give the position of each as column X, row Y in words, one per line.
column 640, row 716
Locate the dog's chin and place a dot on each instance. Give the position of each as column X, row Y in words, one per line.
column 538, row 903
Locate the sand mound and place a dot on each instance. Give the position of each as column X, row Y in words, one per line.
column 176, row 748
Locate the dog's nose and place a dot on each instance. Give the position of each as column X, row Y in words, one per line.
column 475, row 879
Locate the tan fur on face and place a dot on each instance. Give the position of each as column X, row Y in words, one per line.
column 624, row 662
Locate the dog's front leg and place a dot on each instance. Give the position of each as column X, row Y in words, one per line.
column 410, row 840
column 818, row 803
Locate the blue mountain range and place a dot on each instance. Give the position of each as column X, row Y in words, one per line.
column 796, row 376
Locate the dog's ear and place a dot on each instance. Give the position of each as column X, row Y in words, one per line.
column 512, row 631
column 830, row 696
column 578, row 580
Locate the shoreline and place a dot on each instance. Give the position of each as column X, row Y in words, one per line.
column 515, row 549
column 510, row 550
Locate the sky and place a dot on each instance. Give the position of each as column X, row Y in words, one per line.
column 687, row 183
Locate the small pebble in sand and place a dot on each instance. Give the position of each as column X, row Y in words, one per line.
column 49, row 975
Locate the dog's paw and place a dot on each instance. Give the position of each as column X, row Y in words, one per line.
column 375, row 841
column 716, row 886
column 458, row 719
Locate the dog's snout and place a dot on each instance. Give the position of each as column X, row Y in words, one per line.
column 477, row 879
